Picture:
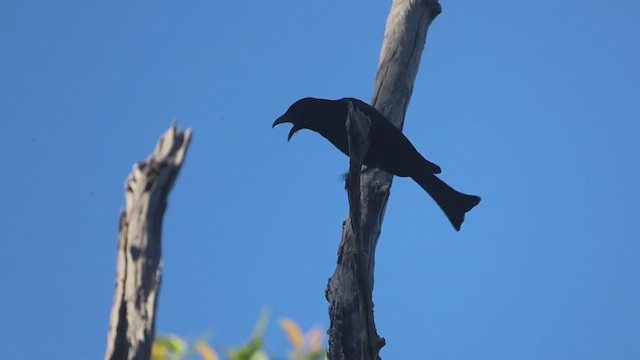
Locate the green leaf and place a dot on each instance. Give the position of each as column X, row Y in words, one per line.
column 174, row 345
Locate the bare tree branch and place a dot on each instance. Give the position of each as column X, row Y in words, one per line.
column 404, row 40
column 349, row 290
column 139, row 265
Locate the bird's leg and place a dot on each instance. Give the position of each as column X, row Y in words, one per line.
column 345, row 177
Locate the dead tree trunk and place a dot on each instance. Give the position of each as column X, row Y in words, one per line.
column 352, row 332
column 139, row 265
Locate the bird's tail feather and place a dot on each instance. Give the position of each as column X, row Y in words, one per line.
column 454, row 203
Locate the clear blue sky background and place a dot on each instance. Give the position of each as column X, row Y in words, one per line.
column 532, row 105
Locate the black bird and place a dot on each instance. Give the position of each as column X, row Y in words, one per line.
column 389, row 149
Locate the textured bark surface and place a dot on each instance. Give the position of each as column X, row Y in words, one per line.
column 139, row 264
column 352, row 332
column 348, row 307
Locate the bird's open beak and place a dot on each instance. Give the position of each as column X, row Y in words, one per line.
column 283, row 119
column 292, row 131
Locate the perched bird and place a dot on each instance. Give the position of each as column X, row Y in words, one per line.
column 389, row 149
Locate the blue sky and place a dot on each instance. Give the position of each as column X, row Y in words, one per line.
column 532, row 105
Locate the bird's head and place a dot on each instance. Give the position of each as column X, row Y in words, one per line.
column 301, row 114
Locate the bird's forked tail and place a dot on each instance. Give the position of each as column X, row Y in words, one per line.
column 454, row 203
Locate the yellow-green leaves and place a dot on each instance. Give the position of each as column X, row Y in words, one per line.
column 169, row 347
column 307, row 346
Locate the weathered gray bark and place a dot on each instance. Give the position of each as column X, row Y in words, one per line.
column 139, row 264
column 352, row 332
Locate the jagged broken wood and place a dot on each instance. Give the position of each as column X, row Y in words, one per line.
column 139, row 263
column 404, row 40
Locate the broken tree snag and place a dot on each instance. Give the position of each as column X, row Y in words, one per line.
column 352, row 333
column 404, row 39
column 139, row 264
